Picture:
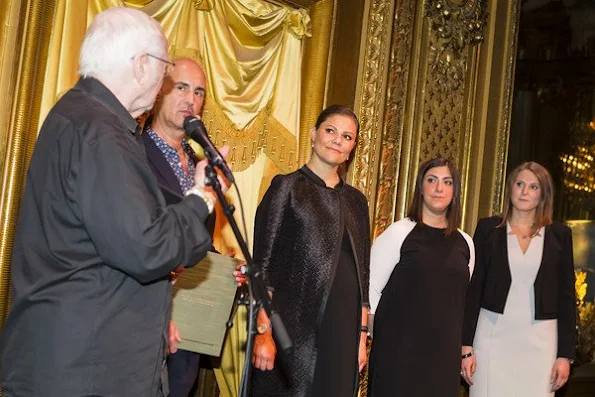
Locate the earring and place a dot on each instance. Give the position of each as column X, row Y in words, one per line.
column 312, row 143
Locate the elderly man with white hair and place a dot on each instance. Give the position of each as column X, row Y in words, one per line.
column 96, row 242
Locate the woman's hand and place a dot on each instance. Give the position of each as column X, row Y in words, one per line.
column 240, row 278
column 362, row 355
column 560, row 373
column 468, row 365
column 263, row 354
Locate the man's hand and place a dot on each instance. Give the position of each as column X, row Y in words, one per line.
column 264, row 352
column 199, row 176
column 175, row 274
column 173, row 338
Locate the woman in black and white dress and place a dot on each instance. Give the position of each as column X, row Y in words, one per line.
column 419, row 272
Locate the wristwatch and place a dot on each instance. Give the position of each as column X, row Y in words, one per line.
column 262, row 328
column 205, row 196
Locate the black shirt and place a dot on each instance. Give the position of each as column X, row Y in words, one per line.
column 93, row 248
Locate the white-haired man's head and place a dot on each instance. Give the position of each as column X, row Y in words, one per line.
column 126, row 50
column 115, row 37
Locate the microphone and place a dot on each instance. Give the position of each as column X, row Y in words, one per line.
column 195, row 129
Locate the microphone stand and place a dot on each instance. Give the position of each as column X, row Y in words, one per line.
column 258, row 297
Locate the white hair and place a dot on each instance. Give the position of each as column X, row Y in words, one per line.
column 114, row 38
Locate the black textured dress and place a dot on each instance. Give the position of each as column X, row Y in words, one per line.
column 337, row 339
column 313, row 245
column 416, row 351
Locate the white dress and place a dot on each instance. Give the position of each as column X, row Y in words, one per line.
column 515, row 353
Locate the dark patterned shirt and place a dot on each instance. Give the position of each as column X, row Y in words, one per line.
column 173, row 159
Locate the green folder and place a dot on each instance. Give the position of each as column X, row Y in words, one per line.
column 203, row 299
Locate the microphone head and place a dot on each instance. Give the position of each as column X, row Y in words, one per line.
column 193, row 126
column 189, row 120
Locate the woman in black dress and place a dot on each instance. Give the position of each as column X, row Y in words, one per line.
column 420, row 268
column 312, row 240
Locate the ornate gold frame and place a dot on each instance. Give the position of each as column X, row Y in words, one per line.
column 413, row 104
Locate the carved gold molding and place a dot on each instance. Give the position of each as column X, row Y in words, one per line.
column 455, row 24
column 507, row 85
column 416, row 104
column 393, row 139
column 490, row 121
column 412, row 115
column 371, row 93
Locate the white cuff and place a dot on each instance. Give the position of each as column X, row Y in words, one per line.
column 205, row 196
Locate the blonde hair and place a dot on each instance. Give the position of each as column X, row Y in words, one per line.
column 545, row 209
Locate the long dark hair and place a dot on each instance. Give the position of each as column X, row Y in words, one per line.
column 453, row 212
column 544, row 212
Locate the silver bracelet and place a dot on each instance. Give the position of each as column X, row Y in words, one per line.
column 205, row 196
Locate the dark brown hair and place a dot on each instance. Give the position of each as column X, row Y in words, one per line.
column 545, row 209
column 453, row 212
column 337, row 109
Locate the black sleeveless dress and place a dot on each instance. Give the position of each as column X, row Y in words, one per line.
column 416, row 349
column 337, row 339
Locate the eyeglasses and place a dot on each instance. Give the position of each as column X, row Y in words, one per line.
column 169, row 67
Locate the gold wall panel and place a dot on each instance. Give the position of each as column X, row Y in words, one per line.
column 430, row 87
column 442, row 112
column 370, row 95
column 314, row 77
column 492, row 112
column 393, row 136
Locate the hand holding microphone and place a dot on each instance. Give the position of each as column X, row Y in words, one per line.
column 199, row 176
column 195, row 129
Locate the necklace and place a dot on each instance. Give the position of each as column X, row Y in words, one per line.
column 520, row 234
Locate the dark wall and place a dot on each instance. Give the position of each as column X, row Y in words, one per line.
column 345, row 52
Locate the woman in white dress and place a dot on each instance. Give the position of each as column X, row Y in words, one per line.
column 520, row 314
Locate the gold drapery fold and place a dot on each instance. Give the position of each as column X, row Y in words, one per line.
column 251, row 52
column 264, row 133
column 253, row 90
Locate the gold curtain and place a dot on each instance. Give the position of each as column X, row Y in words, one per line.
column 251, row 52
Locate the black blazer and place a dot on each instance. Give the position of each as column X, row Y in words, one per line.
column 167, row 180
column 554, row 284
